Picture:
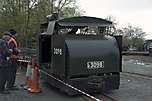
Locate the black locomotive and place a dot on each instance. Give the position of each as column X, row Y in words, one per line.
column 80, row 52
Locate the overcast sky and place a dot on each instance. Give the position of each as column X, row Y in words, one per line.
column 135, row 12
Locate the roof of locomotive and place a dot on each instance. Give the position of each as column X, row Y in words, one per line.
column 83, row 21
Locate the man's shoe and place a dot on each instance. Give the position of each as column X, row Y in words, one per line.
column 4, row 92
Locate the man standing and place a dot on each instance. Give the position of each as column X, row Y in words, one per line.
column 4, row 53
column 13, row 60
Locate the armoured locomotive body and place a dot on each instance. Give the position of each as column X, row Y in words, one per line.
column 78, row 52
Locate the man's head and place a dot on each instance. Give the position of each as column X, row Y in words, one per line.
column 12, row 32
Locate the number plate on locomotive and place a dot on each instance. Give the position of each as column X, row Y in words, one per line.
column 95, row 64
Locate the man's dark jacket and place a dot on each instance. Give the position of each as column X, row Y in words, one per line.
column 4, row 53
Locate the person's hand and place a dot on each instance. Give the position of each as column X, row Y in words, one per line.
column 11, row 50
column 7, row 58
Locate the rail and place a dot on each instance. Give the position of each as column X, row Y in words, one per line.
column 101, row 97
column 137, row 75
column 145, row 53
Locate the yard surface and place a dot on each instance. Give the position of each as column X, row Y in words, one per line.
column 132, row 88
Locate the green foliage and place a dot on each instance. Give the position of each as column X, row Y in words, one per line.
column 137, row 42
column 132, row 37
column 133, row 32
column 25, row 16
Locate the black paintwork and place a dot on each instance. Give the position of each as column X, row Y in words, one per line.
column 67, row 56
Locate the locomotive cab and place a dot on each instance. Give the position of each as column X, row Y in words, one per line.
column 81, row 52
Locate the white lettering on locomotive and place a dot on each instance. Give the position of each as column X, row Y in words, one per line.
column 57, row 51
column 95, row 64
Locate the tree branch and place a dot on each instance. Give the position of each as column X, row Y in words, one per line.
column 63, row 4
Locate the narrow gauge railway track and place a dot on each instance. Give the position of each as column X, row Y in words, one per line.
column 137, row 75
column 101, row 97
